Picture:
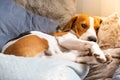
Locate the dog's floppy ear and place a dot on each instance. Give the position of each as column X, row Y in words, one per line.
column 70, row 24
column 99, row 19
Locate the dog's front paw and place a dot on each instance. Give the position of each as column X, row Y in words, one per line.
column 109, row 58
column 106, row 59
column 100, row 59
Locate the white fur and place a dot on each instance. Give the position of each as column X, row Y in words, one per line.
column 90, row 31
column 53, row 45
column 70, row 42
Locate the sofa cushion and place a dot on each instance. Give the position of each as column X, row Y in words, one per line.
column 14, row 20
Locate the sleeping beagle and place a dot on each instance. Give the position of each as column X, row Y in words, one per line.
column 77, row 39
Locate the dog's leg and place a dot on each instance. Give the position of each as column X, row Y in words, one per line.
column 97, row 52
column 77, row 44
column 72, row 56
column 75, row 57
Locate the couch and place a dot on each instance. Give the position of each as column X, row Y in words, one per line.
column 14, row 20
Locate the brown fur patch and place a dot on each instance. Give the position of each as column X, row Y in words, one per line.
column 81, row 23
column 97, row 22
column 59, row 34
column 29, row 46
column 76, row 22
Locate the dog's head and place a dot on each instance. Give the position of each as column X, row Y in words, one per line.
column 84, row 26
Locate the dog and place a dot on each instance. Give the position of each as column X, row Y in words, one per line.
column 74, row 42
column 60, row 10
column 76, row 39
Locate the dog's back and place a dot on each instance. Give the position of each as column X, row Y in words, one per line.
column 26, row 45
column 32, row 44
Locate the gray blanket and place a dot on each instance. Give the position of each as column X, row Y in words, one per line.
column 117, row 74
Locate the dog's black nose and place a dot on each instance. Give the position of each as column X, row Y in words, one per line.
column 91, row 38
